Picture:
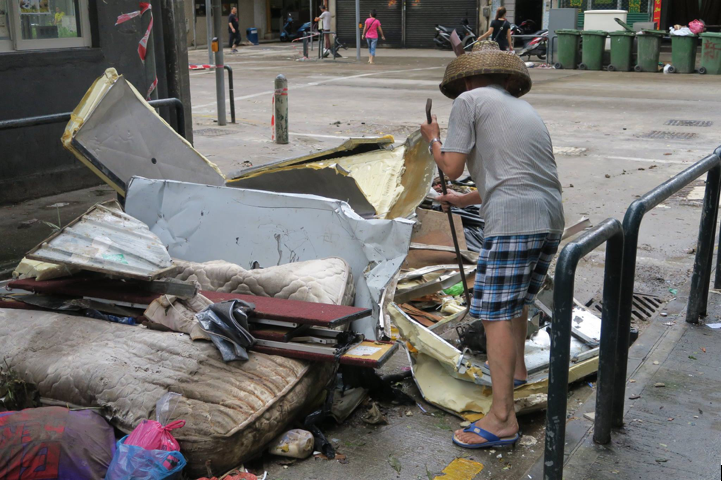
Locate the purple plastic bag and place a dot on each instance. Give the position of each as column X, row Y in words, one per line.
column 54, row 443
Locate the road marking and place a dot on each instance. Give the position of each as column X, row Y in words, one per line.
column 641, row 159
column 314, row 84
column 319, row 136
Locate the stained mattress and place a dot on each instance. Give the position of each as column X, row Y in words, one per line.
column 231, row 410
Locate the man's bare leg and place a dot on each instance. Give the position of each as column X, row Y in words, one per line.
column 501, row 348
column 519, row 325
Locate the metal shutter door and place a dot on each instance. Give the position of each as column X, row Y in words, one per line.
column 388, row 12
column 423, row 15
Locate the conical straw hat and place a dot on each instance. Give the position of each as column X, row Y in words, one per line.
column 485, row 59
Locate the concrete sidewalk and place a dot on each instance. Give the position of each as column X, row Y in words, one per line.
column 672, row 411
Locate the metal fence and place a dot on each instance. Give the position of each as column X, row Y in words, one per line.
column 631, row 6
column 618, row 291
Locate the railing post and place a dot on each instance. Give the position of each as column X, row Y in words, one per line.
column 705, row 248
column 631, row 224
column 610, row 335
column 719, row 249
column 230, row 93
column 561, row 335
column 280, row 110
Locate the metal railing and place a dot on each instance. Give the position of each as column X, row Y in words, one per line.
column 619, row 271
column 697, row 304
column 228, row 69
column 65, row 117
column 609, row 231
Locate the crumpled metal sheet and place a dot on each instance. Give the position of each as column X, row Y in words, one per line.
column 201, row 223
column 393, row 181
column 107, row 240
column 117, row 135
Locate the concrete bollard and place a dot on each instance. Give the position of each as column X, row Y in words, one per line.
column 279, row 120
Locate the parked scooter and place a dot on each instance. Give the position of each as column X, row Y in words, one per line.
column 536, row 46
column 443, row 35
column 287, row 35
column 527, row 27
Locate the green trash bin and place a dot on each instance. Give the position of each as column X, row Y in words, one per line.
column 567, row 49
column 592, row 49
column 684, row 53
column 620, row 55
column 648, row 43
column 710, row 61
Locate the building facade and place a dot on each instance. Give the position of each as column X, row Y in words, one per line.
column 51, row 51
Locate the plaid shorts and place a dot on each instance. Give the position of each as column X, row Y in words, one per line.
column 509, row 274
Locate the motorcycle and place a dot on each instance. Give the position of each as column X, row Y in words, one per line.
column 443, row 35
column 286, row 32
column 536, row 46
column 527, row 27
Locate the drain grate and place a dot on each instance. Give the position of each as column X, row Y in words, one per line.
column 644, row 306
column 661, row 134
column 689, row 123
column 212, row 132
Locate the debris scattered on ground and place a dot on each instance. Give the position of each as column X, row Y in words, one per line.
column 607, row 176
column 465, row 424
column 632, row 380
column 656, row 363
column 394, row 463
column 374, row 415
column 296, row 443
column 590, row 416
column 527, row 441
column 661, row 460
column 670, row 419
column 461, row 469
column 26, row 224
column 409, row 413
column 704, row 350
column 692, row 357
column 663, row 314
column 659, row 384
column 16, row 394
column 634, row 396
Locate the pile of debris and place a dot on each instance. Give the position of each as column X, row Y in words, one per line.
column 230, row 303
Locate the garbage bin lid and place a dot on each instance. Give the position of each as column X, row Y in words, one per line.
column 660, row 33
column 621, row 33
column 711, row 34
column 601, row 33
column 567, row 31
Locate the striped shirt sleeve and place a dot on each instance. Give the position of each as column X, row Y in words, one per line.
column 461, row 136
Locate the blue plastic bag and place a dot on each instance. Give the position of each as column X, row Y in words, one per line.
column 133, row 462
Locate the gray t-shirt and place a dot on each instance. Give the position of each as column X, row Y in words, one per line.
column 326, row 20
column 511, row 160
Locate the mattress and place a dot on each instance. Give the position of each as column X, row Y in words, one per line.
column 231, row 410
column 328, row 280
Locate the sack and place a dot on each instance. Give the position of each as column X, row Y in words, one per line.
column 697, row 26
column 54, row 443
column 156, row 434
column 133, row 462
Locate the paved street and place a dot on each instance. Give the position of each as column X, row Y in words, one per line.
column 615, row 138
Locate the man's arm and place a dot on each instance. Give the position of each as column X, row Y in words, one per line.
column 230, row 25
column 451, row 163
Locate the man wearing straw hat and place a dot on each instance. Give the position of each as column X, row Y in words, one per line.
column 508, row 151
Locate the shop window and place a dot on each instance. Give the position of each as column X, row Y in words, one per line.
column 44, row 24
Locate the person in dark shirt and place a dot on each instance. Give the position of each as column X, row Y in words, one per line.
column 234, row 35
column 500, row 30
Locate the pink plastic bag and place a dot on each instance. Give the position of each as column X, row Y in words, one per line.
column 697, row 26
column 151, row 434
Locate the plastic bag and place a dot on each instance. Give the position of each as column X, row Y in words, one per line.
column 697, row 26
column 54, row 443
column 156, row 434
column 295, row 443
column 134, row 462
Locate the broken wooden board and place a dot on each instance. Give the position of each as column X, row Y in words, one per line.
column 432, row 228
column 132, row 295
column 371, row 354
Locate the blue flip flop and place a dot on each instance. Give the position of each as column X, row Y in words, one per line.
column 492, row 440
column 517, row 382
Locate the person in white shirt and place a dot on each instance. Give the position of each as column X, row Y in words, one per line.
column 325, row 21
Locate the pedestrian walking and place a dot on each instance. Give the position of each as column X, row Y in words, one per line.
column 521, row 204
column 372, row 29
column 500, row 30
column 234, row 35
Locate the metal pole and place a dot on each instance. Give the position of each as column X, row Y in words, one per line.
column 220, row 87
column 705, row 247
column 358, row 32
column 280, row 110
column 610, row 330
column 708, row 272
column 231, row 98
column 717, row 275
column 209, row 31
